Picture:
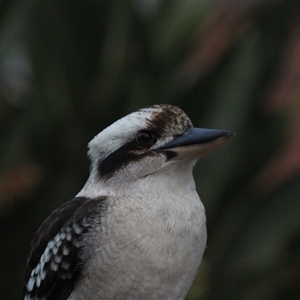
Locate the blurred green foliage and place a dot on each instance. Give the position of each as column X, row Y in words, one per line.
column 70, row 68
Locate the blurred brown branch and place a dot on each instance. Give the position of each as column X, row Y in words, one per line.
column 283, row 97
column 18, row 184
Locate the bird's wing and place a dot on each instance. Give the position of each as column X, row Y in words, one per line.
column 53, row 264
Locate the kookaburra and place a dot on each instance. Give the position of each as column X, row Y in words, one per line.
column 137, row 228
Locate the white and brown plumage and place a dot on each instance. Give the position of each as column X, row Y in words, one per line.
column 137, row 228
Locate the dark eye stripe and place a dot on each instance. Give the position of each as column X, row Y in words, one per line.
column 119, row 159
column 129, row 152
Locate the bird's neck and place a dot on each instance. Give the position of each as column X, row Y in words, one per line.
column 174, row 178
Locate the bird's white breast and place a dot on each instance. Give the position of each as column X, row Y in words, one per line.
column 150, row 243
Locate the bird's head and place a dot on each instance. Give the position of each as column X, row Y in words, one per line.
column 149, row 141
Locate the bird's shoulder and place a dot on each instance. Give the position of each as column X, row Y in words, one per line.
column 53, row 263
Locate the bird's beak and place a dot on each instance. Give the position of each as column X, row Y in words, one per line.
column 195, row 143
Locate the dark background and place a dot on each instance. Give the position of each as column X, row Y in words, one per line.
column 70, row 68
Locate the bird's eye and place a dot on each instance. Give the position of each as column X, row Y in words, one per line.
column 145, row 138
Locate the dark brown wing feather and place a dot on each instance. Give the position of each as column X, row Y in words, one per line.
column 54, row 265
